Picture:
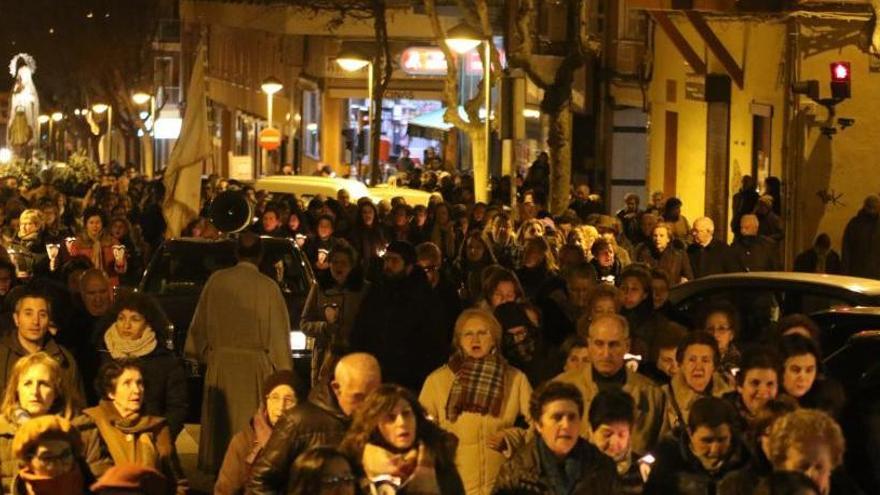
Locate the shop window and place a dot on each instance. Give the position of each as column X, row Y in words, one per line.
column 311, row 119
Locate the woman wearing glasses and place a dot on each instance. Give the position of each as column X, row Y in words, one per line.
column 49, row 451
column 478, row 396
column 324, row 471
column 721, row 320
column 279, row 395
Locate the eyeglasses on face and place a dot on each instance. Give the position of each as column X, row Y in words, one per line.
column 342, row 479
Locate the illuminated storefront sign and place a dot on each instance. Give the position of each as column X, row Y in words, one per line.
column 430, row 61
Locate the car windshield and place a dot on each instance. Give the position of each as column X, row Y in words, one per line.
column 183, row 268
column 759, row 309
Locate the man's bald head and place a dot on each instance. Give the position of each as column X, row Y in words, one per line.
column 357, row 364
column 94, row 289
column 355, row 376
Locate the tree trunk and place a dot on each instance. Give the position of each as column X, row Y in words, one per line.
column 147, row 146
column 376, row 131
column 559, row 142
column 480, row 164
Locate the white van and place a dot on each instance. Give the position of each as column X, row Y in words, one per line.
column 308, row 186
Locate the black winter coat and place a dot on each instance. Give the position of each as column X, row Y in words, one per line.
column 678, row 472
column 400, row 323
column 708, row 260
column 861, row 245
column 523, row 473
column 808, row 262
column 317, row 421
column 752, row 254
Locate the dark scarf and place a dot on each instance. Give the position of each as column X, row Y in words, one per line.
column 562, row 476
column 478, row 386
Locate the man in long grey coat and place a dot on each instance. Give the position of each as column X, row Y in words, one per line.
column 241, row 330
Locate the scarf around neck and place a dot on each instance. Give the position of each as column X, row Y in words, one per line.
column 478, row 386
column 562, row 475
column 412, row 472
column 123, row 348
column 71, row 482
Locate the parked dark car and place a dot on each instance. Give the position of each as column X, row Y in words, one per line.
column 763, row 297
column 856, row 367
column 178, row 272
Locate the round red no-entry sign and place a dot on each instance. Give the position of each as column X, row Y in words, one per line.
column 270, row 138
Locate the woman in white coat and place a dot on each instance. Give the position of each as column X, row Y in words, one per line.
column 478, row 396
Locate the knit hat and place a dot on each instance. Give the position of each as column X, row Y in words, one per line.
column 133, row 477
column 49, row 427
column 512, row 315
column 282, row 377
column 403, row 249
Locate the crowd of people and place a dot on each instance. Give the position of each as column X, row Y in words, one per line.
column 456, row 348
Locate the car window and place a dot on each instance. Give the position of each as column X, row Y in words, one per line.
column 855, row 366
column 286, row 266
column 185, row 269
column 758, row 309
column 810, row 302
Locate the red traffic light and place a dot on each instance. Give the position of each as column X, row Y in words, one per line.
column 840, row 72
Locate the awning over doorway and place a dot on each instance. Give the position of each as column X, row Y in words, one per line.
column 431, row 125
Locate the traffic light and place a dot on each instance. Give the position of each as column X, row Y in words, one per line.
column 841, row 75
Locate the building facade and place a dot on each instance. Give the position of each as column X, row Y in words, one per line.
column 721, row 106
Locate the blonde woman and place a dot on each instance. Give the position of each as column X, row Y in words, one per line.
column 583, row 236
column 529, row 229
column 36, row 387
column 29, row 242
column 481, row 418
column 501, row 239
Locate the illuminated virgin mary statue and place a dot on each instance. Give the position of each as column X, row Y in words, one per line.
column 24, row 106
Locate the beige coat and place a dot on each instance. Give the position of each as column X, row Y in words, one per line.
column 241, row 330
column 685, row 397
column 648, row 399
column 477, row 464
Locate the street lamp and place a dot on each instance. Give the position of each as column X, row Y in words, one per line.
column 270, row 86
column 352, row 60
column 142, row 98
column 100, row 108
column 462, row 39
column 55, row 118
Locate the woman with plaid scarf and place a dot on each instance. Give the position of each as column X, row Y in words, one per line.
column 478, row 396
